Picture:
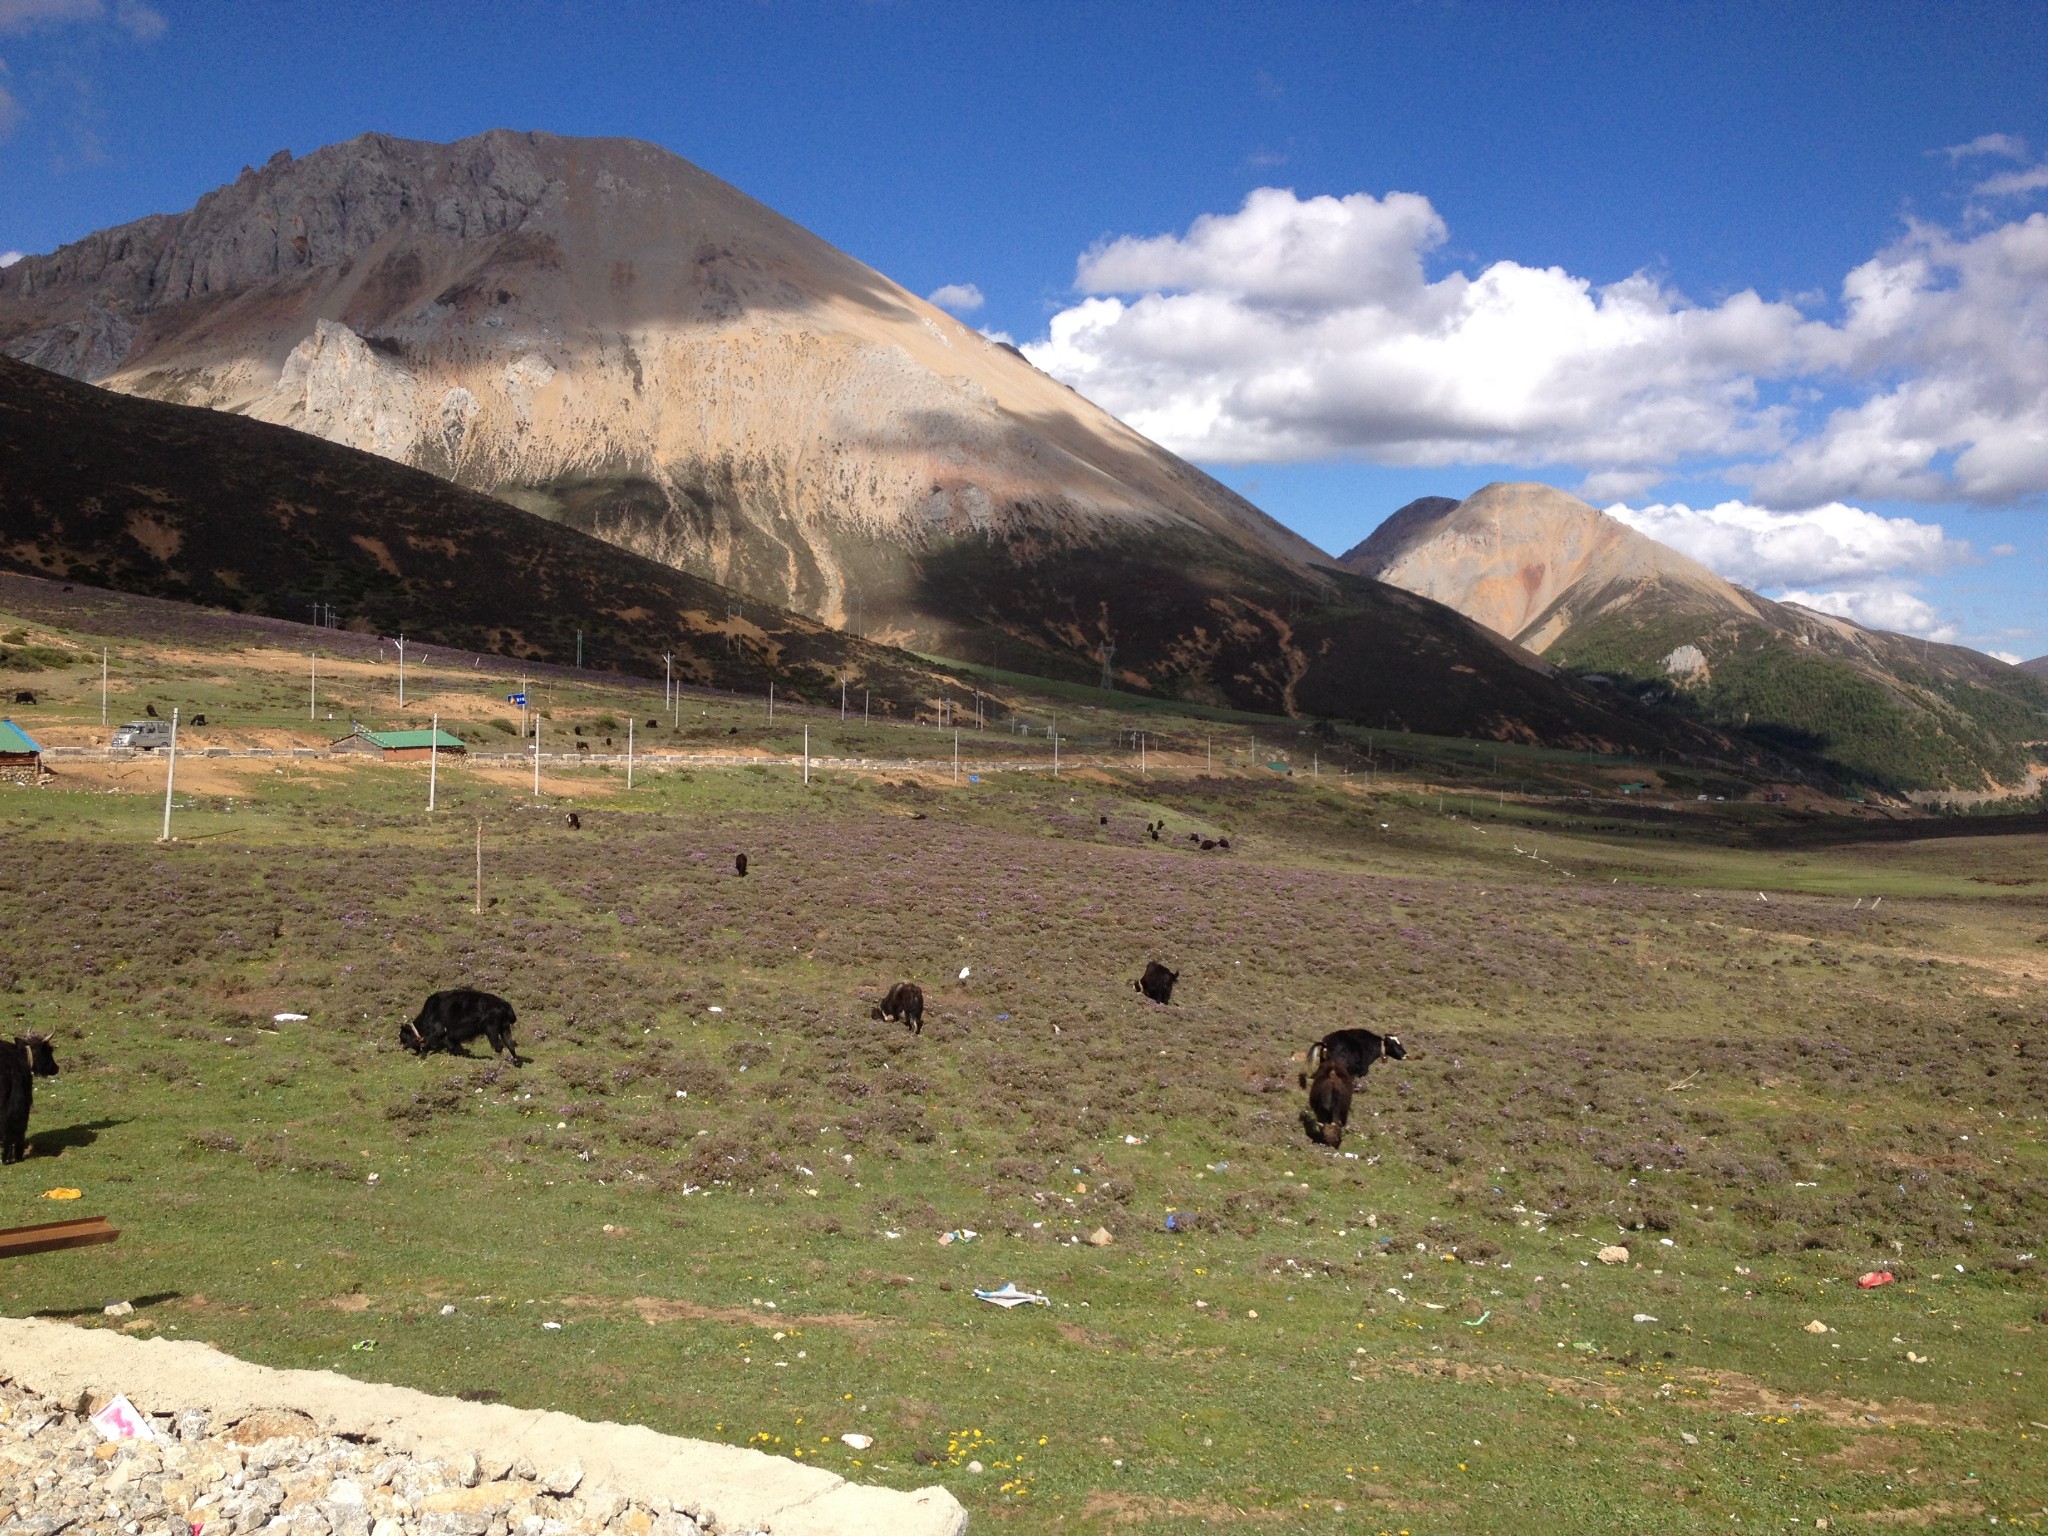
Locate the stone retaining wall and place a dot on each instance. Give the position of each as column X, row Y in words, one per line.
column 242, row 1449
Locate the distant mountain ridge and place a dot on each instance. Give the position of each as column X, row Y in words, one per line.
column 1529, row 562
column 601, row 333
column 2038, row 666
column 1550, row 572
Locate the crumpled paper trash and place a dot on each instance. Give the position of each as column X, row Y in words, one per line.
column 1009, row 1296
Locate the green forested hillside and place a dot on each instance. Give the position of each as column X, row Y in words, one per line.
column 1882, row 709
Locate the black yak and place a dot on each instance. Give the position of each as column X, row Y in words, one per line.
column 904, row 1005
column 21, row 1063
column 1157, row 982
column 451, row 1019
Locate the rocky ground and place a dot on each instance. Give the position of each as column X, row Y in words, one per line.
column 272, row 1471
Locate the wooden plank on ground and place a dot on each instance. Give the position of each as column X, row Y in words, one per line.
column 48, row 1236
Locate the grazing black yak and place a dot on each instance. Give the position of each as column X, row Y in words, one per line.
column 1358, row 1049
column 451, row 1019
column 21, row 1063
column 1329, row 1103
column 739, row 862
column 1336, row 1065
column 1157, row 982
column 904, row 1005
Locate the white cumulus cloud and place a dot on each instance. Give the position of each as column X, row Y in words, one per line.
column 2008, row 146
column 141, row 21
column 1764, row 549
column 2007, row 657
column 1879, row 606
column 960, row 298
column 1300, row 328
column 9, row 258
column 1305, row 328
column 1839, row 559
column 2014, row 183
column 1953, row 333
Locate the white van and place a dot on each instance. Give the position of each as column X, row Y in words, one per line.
column 147, row 735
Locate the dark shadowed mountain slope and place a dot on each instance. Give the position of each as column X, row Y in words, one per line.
column 1544, row 568
column 174, row 502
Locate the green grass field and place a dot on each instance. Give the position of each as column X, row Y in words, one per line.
column 728, row 1185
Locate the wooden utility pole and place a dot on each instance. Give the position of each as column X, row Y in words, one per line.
column 313, row 688
column 433, row 761
column 103, row 685
column 401, row 671
column 479, row 866
column 630, row 722
column 536, row 754
column 807, row 752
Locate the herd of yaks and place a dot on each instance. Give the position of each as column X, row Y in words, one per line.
column 1335, row 1063
column 451, row 1019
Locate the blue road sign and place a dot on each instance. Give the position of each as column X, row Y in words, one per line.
column 516, row 698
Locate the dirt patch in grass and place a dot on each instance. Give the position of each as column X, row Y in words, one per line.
column 1731, row 1392
column 1115, row 1509
column 1721, row 1391
column 1871, row 1453
column 670, row 1309
column 1925, row 1514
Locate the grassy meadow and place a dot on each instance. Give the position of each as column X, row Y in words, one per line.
column 1763, row 1070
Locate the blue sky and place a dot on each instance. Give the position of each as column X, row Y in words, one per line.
column 1341, row 256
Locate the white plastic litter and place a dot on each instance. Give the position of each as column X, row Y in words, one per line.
column 119, row 1421
column 288, row 1018
column 1644, row 1317
column 1010, row 1296
column 858, row 1442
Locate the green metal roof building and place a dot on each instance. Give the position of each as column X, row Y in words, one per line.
column 400, row 744
column 17, row 746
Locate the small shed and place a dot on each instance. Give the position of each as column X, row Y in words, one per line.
column 21, row 756
column 400, row 746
